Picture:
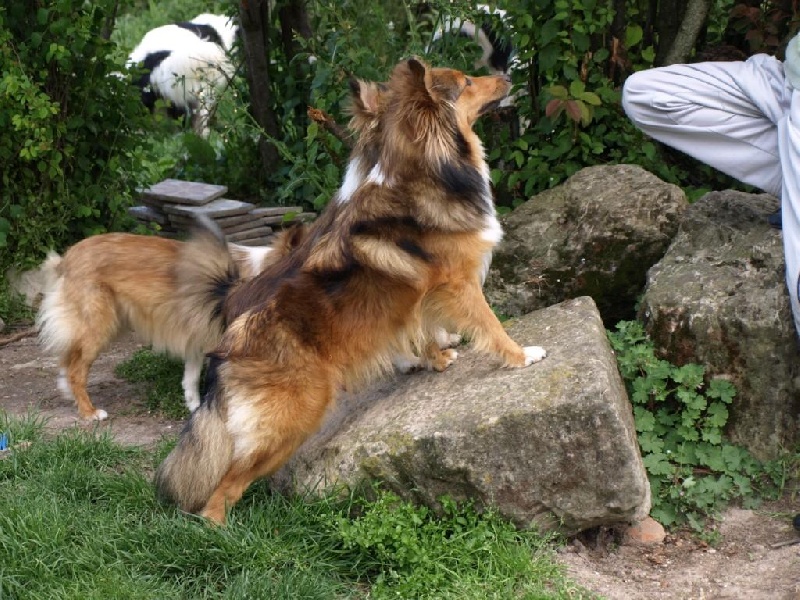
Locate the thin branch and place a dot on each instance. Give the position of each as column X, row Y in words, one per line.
column 320, row 116
column 15, row 337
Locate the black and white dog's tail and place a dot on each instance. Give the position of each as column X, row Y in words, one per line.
column 489, row 33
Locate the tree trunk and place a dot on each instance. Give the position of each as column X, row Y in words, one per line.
column 694, row 20
column 255, row 24
column 293, row 17
column 670, row 13
column 619, row 65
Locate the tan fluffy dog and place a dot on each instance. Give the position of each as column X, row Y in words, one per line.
column 406, row 250
column 158, row 288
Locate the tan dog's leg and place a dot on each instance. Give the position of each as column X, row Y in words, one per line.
column 465, row 306
column 240, row 476
column 74, row 377
column 285, row 418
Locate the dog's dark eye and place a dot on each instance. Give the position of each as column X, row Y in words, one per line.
column 469, row 81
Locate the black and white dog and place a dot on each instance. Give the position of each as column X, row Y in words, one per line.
column 187, row 64
column 490, row 34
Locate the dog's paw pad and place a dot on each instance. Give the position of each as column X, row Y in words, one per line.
column 444, row 360
column 534, row 354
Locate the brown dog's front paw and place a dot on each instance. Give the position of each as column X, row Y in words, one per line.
column 533, row 354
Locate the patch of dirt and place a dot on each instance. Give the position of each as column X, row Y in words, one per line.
column 742, row 564
column 28, row 384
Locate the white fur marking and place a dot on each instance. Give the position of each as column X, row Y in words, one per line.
column 493, row 231
column 446, row 340
column 352, row 179
column 63, row 385
column 406, row 364
column 377, row 176
column 256, row 255
column 245, row 426
column 534, row 354
column 191, row 382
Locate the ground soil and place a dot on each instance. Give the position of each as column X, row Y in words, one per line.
column 743, row 561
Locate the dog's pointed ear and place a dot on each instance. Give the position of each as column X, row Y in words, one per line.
column 417, row 68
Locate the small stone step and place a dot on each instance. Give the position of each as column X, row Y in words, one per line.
column 248, row 226
column 249, row 235
column 175, row 191
column 285, row 219
column 147, row 214
column 222, row 207
column 258, row 241
column 236, row 220
column 272, row 211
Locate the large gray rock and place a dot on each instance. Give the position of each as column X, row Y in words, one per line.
column 552, row 445
column 719, row 298
column 595, row 235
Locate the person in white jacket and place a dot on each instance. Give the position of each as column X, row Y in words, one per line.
column 741, row 117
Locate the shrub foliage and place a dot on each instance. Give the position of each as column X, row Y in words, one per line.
column 70, row 153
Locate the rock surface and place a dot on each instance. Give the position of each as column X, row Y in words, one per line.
column 719, row 298
column 596, row 235
column 552, row 445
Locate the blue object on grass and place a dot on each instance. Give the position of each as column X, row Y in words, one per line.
column 3, row 441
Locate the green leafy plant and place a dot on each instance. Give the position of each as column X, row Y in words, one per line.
column 680, row 419
column 408, row 551
column 70, row 159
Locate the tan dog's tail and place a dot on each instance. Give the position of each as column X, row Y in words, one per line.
column 53, row 318
column 205, row 273
column 204, row 453
column 50, row 270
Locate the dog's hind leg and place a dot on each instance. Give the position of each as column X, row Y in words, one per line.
column 464, row 305
column 241, row 475
column 97, row 327
column 73, row 377
column 266, row 431
column 192, row 369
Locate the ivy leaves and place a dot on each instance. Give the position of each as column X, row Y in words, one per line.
column 680, row 418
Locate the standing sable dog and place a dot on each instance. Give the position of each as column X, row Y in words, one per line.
column 163, row 290
column 405, row 251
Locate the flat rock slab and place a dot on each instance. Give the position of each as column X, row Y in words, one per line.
column 249, row 235
column 222, row 207
column 175, row 191
column 147, row 214
column 224, row 222
column 273, row 211
column 258, row 241
column 252, row 225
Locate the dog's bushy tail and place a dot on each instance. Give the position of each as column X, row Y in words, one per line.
column 52, row 318
column 50, row 270
column 193, row 470
column 204, row 273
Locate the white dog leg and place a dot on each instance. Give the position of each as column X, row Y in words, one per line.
column 191, row 381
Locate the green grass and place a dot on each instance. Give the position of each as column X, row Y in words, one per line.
column 78, row 519
column 160, row 379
